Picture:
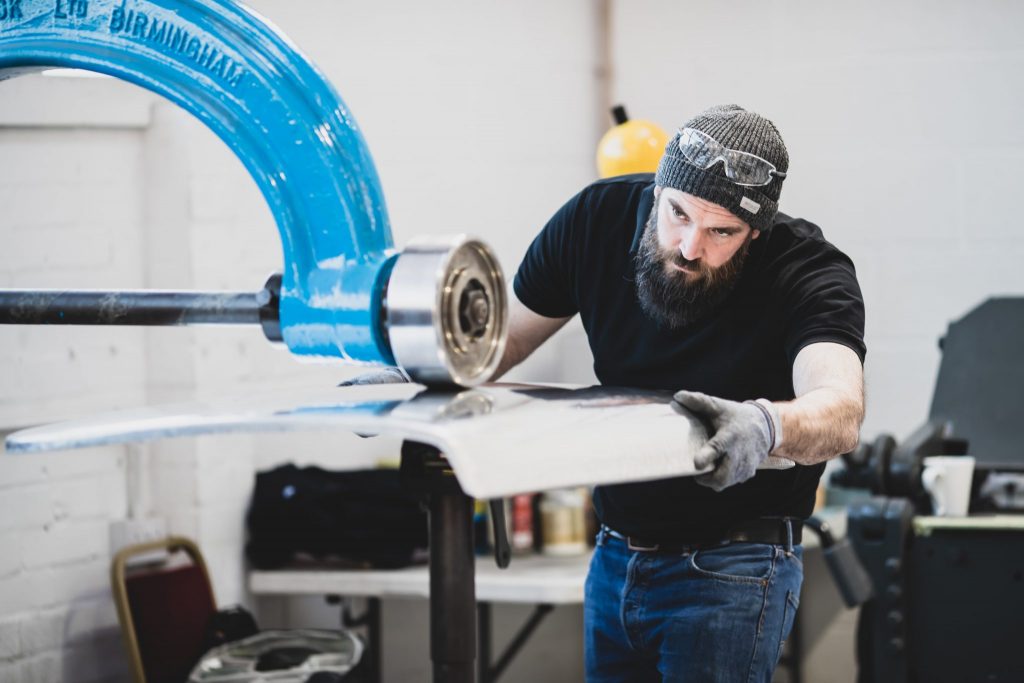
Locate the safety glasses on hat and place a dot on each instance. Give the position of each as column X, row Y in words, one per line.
column 703, row 151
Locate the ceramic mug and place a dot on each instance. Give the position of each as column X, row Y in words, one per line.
column 947, row 478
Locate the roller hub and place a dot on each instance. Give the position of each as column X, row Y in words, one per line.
column 446, row 311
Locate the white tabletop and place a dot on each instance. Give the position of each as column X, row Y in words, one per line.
column 530, row 579
column 923, row 526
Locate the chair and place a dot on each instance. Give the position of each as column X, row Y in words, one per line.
column 165, row 614
column 163, row 611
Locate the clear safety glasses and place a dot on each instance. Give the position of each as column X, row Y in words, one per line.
column 703, row 151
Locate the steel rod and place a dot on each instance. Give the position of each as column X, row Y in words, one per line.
column 130, row 307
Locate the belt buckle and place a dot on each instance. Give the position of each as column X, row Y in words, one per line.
column 641, row 548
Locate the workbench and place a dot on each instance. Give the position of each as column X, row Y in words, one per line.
column 532, row 580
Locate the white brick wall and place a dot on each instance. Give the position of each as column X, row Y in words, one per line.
column 116, row 192
column 57, row 621
column 71, row 212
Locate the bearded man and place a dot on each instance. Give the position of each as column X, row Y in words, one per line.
column 691, row 280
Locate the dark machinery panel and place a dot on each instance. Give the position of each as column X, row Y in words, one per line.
column 966, row 595
column 980, row 387
column 948, row 593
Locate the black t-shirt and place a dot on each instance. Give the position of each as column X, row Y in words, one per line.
column 795, row 289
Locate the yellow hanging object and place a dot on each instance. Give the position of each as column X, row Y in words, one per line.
column 632, row 146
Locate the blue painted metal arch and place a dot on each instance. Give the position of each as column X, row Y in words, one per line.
column 247, row 82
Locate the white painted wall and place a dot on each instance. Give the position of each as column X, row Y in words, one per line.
column 482, row 118
column 903, row 127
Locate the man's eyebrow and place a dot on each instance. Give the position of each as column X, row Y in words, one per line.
column 732, row 229
column 677, row 207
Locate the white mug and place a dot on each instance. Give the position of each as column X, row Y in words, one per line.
column 947, row 478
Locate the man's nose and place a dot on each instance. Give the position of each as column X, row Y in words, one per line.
column 691, row 245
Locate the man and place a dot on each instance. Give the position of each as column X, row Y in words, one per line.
column 692, row 281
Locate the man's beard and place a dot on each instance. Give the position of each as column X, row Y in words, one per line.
column 673, row 298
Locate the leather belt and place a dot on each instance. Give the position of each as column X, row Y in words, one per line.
column 774, row 530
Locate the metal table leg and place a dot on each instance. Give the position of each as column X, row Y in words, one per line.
column 452, row 588
column 452, row 565
column 483, row 614
column 488, row 673
column 370, row 666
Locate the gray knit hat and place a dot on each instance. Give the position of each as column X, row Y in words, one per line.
column 742, row 130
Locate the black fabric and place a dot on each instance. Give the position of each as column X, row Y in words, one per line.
column 284, row 658
column 364, row 517
column 795, row 289
column 227, row 625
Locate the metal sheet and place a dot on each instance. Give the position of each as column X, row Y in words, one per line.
column 500, row 439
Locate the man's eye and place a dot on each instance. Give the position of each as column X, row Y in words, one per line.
column 722, row 233
column 679, row 213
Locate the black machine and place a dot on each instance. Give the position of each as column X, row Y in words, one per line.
column 948, row 593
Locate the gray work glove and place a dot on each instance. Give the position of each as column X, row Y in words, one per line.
column 742, row 436
column 388, row 375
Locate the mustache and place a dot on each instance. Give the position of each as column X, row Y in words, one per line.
column 693, row 264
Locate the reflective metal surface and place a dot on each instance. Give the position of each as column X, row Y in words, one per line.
column 500, row 439
column 446, row 310
column 127, row 307
column 336, row 652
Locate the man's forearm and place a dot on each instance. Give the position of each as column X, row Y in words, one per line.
column 819, row 425
column 512, row 357
column 526, row 331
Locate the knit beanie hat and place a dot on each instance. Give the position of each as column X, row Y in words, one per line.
column 736, row 128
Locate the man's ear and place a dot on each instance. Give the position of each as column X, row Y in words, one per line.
column 754, row 235
column 657, row 191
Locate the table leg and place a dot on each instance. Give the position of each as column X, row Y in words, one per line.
column 374, row 635
column 452, row 587
column 370, row 664
column 483, row 614
column 487, row 672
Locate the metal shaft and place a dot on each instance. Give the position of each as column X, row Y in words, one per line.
column 144, row 307
column 452, row 588
column 59, row 307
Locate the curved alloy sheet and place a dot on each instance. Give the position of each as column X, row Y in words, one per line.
column 235, row 72
column 500, row 439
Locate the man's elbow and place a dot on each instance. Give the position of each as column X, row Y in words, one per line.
column 848, row 440
column 849, row 435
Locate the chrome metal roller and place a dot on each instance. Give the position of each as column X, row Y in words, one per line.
column 447, row 311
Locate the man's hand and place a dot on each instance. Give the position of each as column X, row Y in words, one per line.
column 742, row 436
column 388, row 375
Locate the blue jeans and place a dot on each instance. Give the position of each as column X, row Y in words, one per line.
column 708, row 615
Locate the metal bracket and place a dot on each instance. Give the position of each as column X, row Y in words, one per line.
column 502, row 548
column 488, row 673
